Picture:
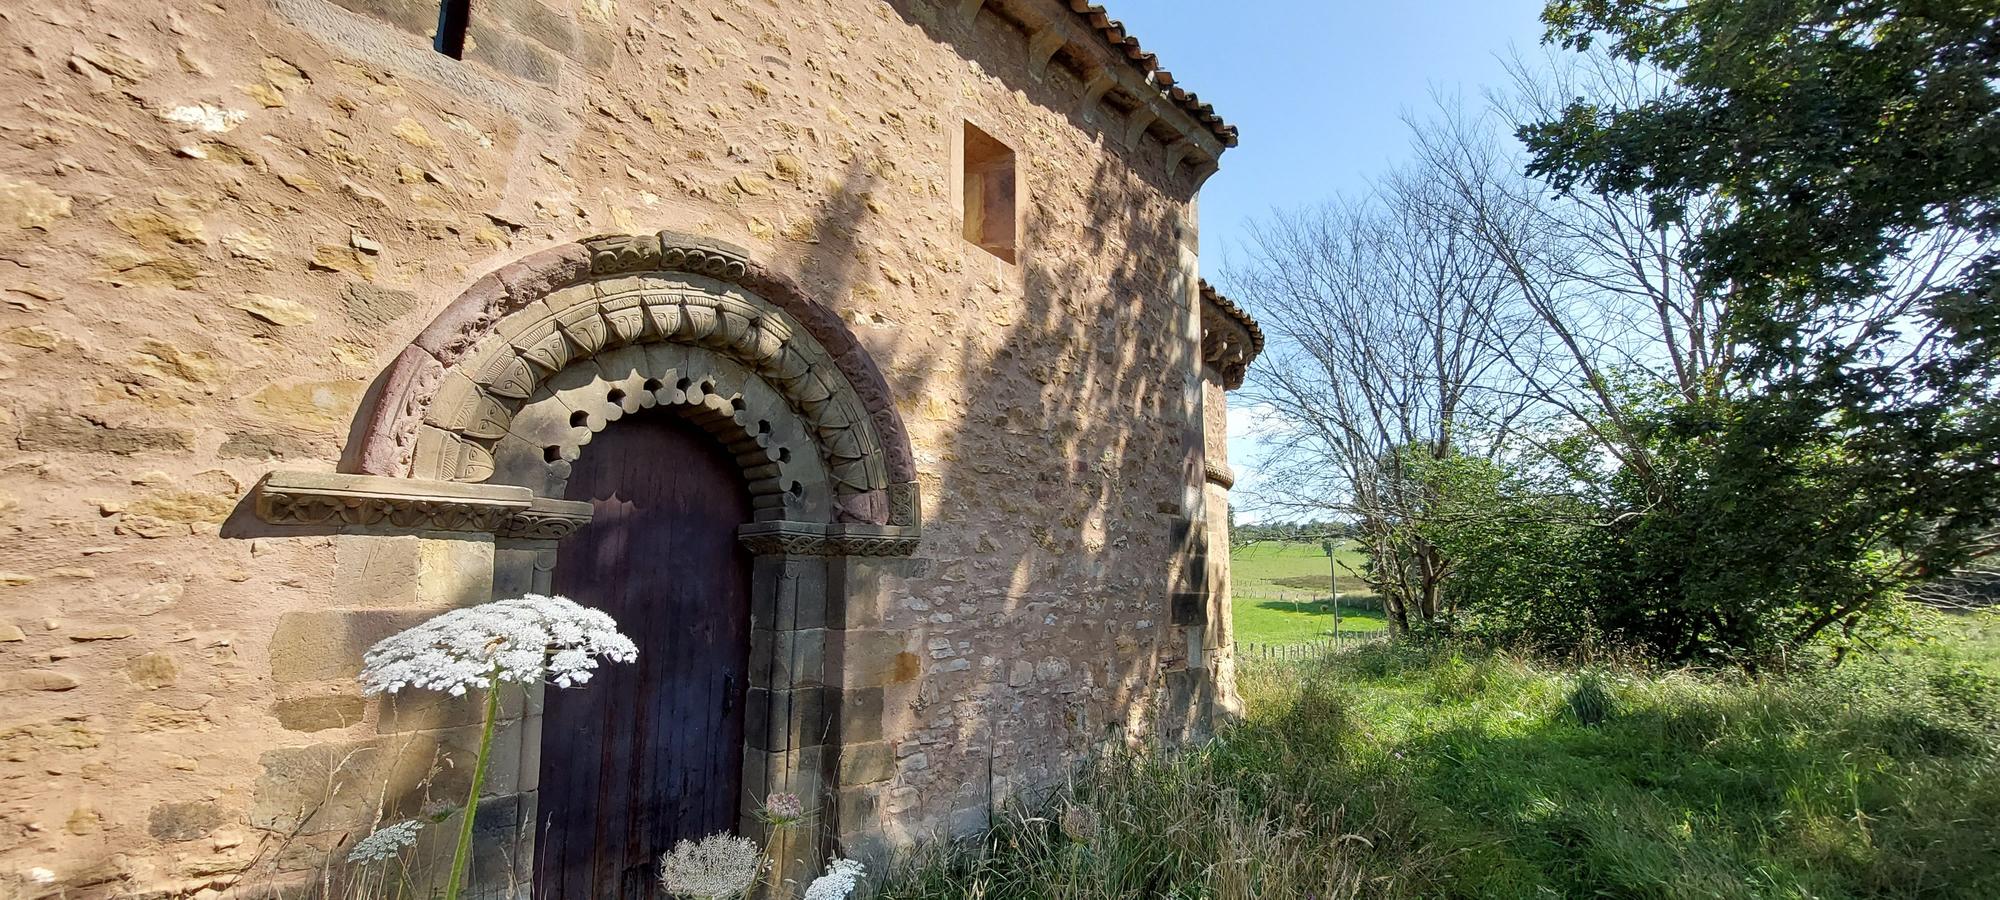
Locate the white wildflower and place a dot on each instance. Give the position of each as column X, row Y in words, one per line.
column 526, row 639
column 838, row 882
column 720, row 866
column 385, row 843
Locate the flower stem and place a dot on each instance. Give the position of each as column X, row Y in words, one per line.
column 462, row 856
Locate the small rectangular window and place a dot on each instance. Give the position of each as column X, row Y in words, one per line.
column 453, row 18
column 989, row 193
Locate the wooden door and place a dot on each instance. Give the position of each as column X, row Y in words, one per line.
column 648, row 753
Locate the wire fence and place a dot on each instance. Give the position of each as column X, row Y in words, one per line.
column 1350, row 601
column 1335, row 643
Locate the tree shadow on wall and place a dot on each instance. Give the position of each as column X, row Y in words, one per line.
column 1043, row 402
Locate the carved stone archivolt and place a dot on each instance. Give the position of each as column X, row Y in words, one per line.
column 479, row 419
column 1230, row 337
column 526, row 401
column 449, row 406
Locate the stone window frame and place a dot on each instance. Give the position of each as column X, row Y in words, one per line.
column 480, row 418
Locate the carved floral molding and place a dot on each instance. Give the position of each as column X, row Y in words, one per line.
column 814, row 539
column 329, row 499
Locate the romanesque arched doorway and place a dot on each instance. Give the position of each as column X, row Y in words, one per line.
column 648, row 754
column 504, row 419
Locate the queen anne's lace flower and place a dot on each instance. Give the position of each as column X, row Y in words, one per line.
column 720, row 866
column 838, row 882
column 783, row 810
column 526, row 639
column 386, row 842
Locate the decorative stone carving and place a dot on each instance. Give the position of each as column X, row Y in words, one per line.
column 571, row 302
column 813, row 539
column 469, row 415
column 336, row 499
column 1218, row 474
column 1230, row 338
column 905, row 504
column 771, row 443
column 547, row 519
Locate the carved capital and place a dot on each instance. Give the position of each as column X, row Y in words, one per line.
column 547, row 519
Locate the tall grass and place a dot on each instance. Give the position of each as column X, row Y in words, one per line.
column 1401, row 771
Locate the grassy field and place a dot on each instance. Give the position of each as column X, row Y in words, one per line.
column 1273, row 569
column 1279, row 593
column 1398, row 771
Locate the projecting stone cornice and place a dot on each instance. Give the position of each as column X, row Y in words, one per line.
column 1230, row 337
column 1110, row 63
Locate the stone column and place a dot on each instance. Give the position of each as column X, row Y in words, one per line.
column 791, row 709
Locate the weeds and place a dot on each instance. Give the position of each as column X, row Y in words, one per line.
column 1402, row 771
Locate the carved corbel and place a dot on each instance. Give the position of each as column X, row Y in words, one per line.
column 1096, row 83
column 1200, row 173
column 1042, row 46
column 1137, row 123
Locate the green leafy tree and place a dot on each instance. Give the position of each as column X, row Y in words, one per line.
column 1838, row 163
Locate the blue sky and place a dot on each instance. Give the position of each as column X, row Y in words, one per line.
column 1319, row 90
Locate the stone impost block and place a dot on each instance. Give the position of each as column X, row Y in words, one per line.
column 336, row 499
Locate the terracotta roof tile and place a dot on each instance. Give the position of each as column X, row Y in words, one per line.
column 1113, row 32
column 1238, row 313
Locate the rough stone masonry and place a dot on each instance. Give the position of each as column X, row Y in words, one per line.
column 302, row 322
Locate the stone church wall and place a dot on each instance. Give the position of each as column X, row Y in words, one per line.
column 221, row 221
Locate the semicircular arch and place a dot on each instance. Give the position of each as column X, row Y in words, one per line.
column 465, row 402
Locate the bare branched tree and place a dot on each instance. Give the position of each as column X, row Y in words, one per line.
column 1379, row 314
